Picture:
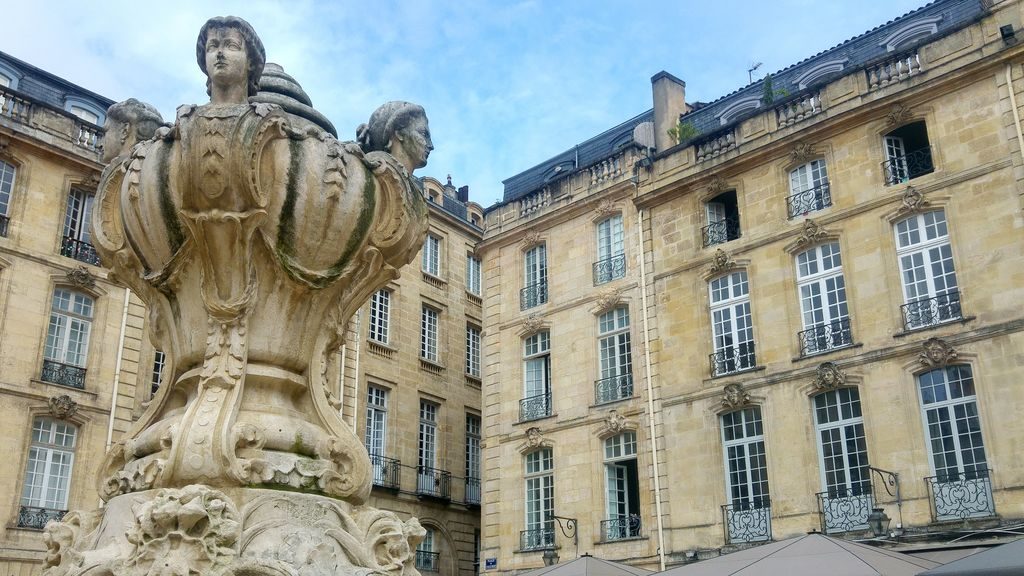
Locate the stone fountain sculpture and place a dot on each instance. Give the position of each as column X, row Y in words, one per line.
column 253, row 235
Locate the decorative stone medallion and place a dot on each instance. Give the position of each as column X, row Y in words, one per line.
column 735, row 396
column 62, row 407
column 721, row 262
column 937, row 353
column 81, row 277
column 829, row 376
column 802, row 152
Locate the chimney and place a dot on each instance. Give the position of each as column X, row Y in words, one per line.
column 669, row 102
column 464, row 194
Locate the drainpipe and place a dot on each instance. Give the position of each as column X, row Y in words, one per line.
column 117, row 368
column 1013, row 106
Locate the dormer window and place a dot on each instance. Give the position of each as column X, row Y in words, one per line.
column 84, row 110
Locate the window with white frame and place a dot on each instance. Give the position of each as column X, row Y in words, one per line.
column 908, row 153
column 380, row 316
column 157, row 376
column 376, row 420
column 472, row 351
column 847, row 498
column 7, row 172
column 48, row 472
column 747, row 513
column 87, row 115
column 428, row 334
column 731, row 325
column 535, row 277
column 611, row 259
column 5, row 82
column 822, row 291
column 432, row 255
column 723, row 217
column 426, row 558
column 67, row 338
column 77, row 240
column 536, row 401
column 616, row 356
column 930, row 289
column 472, row 459
column 473, row 277
column 427, row 453
column 808, row 189
column 622, row 488
column 540, row 501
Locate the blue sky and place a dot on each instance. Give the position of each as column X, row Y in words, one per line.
column 506, row 85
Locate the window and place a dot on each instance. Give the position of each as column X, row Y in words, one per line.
column 427, row 456
column 746, row 470
column 385, row 470
column 380, row 316
column 961, row 487
column 822, row 291
column 426, row 558
column 611, row 261
column 432, row 255
column 540, row 501
column 77, row 242
column 84, row 114
column 67, row 338
column 907, row 153
column 157, row 376
column 48, row 473
column 473, row 275
column 622, row 488
column 428, row 334
column 732, row 330
column 926, row 266
column 472, row 459
column 4, row 82
column 808, row 188
column 535, row 280
column 6, row 189
column 473, row 351
column 536, row 401
column 847, row 497
column 615, row 355
column 723, row 214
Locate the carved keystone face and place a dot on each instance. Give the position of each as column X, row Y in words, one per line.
column 226, row 61
column 416, row 143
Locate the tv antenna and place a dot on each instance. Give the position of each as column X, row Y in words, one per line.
column 750, row 71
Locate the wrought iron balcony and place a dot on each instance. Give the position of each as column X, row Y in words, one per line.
column 720, row 232
column 825, row 337
column 36, row 518
column 81, row 251
column 913, row 164
column 473, row 491
column 387, row 472
column 63, row 374
column 931, row 311
column 810, row 200
column 427, row 561
column 845, row 510
column 733, row 359
column 609, row 269
column 433, row 483
column 961, row 495
column 539, row 539
column 535, row 407
column 620, row 528
column 748, row 521
column 613, row 388
column 4, row 222
column 533, row 295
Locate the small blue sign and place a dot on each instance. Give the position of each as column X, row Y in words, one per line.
column 490, row 563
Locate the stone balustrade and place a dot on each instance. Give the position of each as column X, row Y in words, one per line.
column 49, row 124
column 715, row 145
column 13, row 106
column 798, row 109
column 892, row 70
column 89, row 136
column 534, row 202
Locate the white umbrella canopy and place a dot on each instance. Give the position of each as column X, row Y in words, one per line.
column 809, row 555
column 1005, row 560
column 588, row 565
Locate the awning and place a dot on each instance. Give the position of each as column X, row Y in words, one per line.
column 587, row 565
column 1005, row 560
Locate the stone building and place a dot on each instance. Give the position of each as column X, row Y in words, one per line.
column 794, row 308
column 77, row 367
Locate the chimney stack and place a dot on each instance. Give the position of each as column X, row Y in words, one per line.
column 669, row 102
column 464, row 194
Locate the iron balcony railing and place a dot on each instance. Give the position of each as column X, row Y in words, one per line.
column 748, row 520
column 533, row 295
column 810, row 200
column 473, row 491
column 824, row 337
column 620, row 528
column 427, row 561
column 720, row 232
column 961, row 495
column 36, row 518
column 537, row 539
column 845, row 510
column 733, row 359
column 433, row 483
column 609, row 269
column 4, row 222
column 387, row 472
column 79, row 250
column 63, row 374
column 613, row 388
column 535, row 407
column 902, row 168
column 931, row 311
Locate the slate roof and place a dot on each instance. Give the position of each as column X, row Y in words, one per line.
column 48, row 88
column 858, row 52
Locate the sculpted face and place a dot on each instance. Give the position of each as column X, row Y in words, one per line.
column 112, row 139
column 415, row 142
column 226, row 61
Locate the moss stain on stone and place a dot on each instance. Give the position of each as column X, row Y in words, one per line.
column 167, row 210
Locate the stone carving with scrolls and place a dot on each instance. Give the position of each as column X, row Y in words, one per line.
column 912, row 201
column 802, row 152
column 721, row 262
column 898, row 114
column 62, row 407
column 828, row 376
column 937, row 353
column 81, row 277
column 734, row 396
column 811, row 234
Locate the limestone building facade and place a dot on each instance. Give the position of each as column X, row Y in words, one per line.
column 725, row 323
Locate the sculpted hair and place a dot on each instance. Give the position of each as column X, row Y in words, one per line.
column 144, row 117
column 385, row 122
column 254, row 51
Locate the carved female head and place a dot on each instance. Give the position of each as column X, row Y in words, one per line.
column 255, row 55
column 401, row 129
column 128, row 122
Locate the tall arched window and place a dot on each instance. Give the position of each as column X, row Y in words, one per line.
column 535, row 277
column 616, row 356
column 536, row 402
column 822, row 291
column 846, row 500
column 731, row 325
column 930, row 288
column 611, row 258
column 622, row 487
column 51, row 456
column 540, row 501
column 7, row 172
column 67, row 338
column 747, row 514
